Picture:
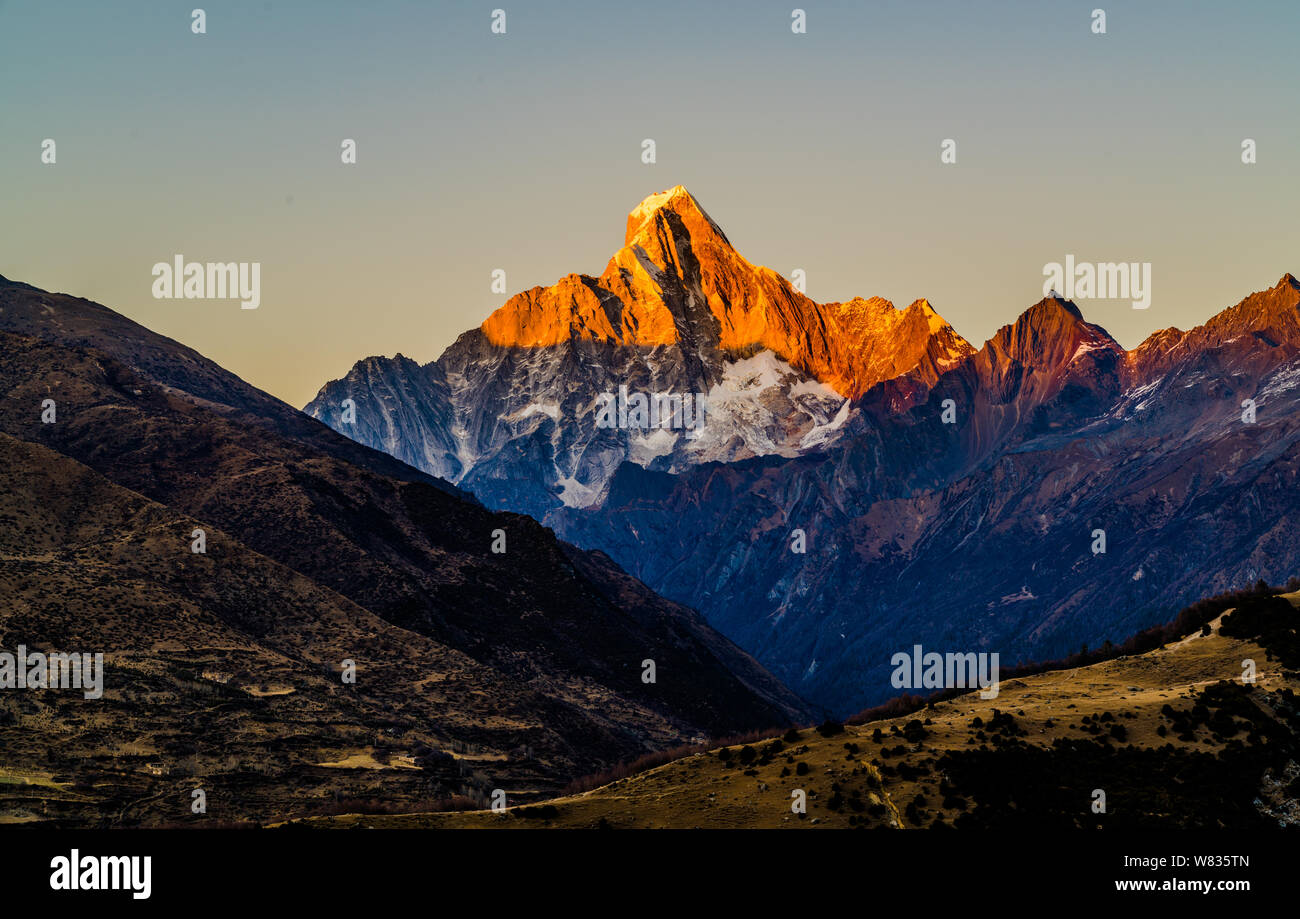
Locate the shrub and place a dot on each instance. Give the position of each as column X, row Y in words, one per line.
column 830, row 727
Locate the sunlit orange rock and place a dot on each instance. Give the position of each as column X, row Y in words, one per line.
column 678, row 281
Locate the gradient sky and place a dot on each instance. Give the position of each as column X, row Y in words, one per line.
column 479, row 151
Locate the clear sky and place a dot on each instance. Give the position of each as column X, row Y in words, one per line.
column 522, row 151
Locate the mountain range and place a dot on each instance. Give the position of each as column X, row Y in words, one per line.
column 508, row 411
column 1047, row 490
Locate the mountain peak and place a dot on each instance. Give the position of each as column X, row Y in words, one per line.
column 659, row 199
column 676, row 200
column 1050, row 304
column 1050, row 333
column 677, row 280
column 1266, row 317
column 934, row 322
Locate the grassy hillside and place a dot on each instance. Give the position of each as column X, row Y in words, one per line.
column 1172, row 737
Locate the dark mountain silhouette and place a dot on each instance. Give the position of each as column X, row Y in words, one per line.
column 318, row 550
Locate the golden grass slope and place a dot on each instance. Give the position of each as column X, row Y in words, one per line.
column 712, row 790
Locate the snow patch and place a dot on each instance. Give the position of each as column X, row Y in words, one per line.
column 827, row 433
column 749, row 412
column 1138, row 398
column 549, row 409
column 1085, row 347
column 1283, row 379
column 645, row 447
column 574, row 494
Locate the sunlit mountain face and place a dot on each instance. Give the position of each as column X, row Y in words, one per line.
column 512, row 410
